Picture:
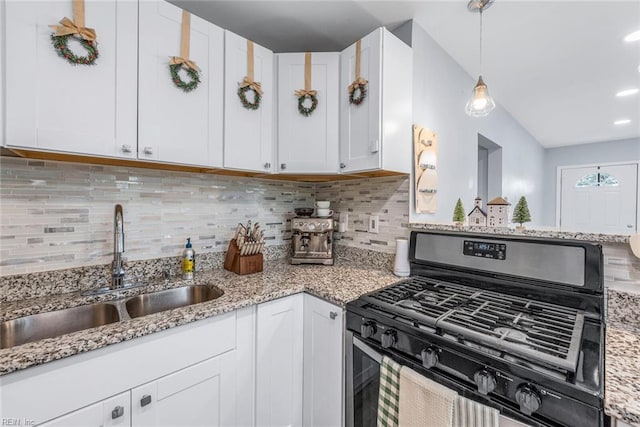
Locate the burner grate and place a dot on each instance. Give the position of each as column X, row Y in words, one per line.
column 544, row 333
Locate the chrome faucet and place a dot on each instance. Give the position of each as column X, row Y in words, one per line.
column 117, row 267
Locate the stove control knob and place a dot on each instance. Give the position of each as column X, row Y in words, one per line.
column 528, row 399
column 368, row 329
column 389, row 339
column 429, row 357
column 485, row 381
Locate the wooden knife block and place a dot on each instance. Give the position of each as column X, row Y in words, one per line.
column 246, row 264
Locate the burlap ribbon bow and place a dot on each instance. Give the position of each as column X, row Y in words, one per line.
column 246, row 81
column 357, row 82
column 304, row 92
column 176, row 60
column 69, row 27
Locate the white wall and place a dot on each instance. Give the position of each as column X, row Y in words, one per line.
column 441, row 90
column 583, row 154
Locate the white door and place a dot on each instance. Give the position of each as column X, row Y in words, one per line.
column 360, row 124
column 599, row 199
column 279, row 359
column 54, row 105
column 177, row 126
column 308, row 144
column 248, row 138
column 190, row 397
column 323, row 370
column 112, row 412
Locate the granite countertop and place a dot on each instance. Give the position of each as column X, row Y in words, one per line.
column 548, row 232
column 338, row 284
column 622, row 373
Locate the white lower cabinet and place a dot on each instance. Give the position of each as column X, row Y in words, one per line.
column 191, row 397
column 279, row 353
column 111, row 412
column 323, row 366
column 279, row 363
column 195, row 375
column 299, row 363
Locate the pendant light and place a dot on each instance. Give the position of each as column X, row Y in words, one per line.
column 481, row 103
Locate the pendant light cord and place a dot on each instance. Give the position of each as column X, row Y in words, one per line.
column 481, row 40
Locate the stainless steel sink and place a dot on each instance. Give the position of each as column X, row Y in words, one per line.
column 155, row 302
column 55, row 323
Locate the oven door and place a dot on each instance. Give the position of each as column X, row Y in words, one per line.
column 363, row 382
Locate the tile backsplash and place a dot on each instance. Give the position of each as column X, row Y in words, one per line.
column 388, row 198
column 56, row 215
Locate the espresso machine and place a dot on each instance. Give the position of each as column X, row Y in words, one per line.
column 312, row 240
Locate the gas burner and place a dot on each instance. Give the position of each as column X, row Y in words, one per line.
column 511, row 334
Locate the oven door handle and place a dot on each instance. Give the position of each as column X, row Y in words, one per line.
column 367, row 350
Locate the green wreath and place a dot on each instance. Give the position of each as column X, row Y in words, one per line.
column 60, row 45
column 242, row 93
column 358, row 98
column 306, row 111
column 177, row 80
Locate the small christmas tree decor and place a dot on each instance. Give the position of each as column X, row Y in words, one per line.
column 521, row 212
column 458, row 213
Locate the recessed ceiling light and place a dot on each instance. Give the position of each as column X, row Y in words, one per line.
column 622, row 122
column 627, row 92
column 633, row 37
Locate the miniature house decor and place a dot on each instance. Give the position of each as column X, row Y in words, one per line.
column 498, row 212
column 477, row 217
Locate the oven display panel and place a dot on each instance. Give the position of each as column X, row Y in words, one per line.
column 485, row 249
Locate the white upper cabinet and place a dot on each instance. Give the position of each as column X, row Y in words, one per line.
column 52, row 104
column 248, row 134
column 377, row 133
column 308, row 144
column 173, row 125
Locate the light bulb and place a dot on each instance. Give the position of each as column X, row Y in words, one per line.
column 481, row 102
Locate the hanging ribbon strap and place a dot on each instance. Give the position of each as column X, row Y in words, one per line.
column 359, row 79
column 248, row 79
column 184, row 44
column 77, row 25
column 307, row 78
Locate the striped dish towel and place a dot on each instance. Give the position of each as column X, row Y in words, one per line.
column 468, row 413
column 389, row 394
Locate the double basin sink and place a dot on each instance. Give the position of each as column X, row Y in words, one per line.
column 56, row 323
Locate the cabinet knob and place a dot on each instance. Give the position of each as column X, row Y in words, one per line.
column 283, row 166
column 146, row 399
column 148, row 150
column 333, row 315
column 117, row 412
column 126, row 148
column 267, row 165
column 342, row 166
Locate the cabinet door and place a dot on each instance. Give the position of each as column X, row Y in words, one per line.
column 54, row 105
column 308, row 144
column 248, row 139
column 279, row 362
column 360, row 124
column 323, row 368
column 194, row 396
column 112, row 412
column 177, row 126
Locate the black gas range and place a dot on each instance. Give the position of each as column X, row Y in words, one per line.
column 514, row 323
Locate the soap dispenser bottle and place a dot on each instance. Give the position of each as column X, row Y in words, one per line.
column 188, row 261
